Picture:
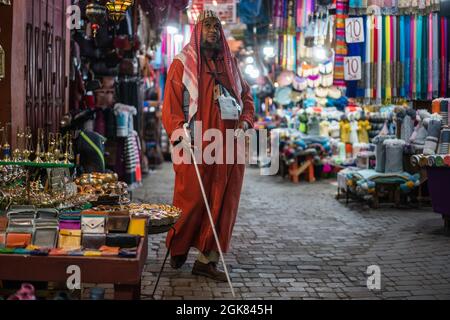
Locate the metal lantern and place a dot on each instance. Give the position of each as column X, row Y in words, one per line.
column 96, row 13
column 118, row 8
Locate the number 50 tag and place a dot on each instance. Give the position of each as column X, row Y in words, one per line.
column 352, row 68
column 354, row 30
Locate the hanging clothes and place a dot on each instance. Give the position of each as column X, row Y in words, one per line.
column 341, row 47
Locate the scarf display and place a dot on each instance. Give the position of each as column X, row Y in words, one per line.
column 394, row 155
column 392, row 7
column 358, row 88
column 431, row 142
column 403, row 56
column 341, row 46
column 304, row 9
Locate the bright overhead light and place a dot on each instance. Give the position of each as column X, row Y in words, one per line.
column 172, row 30
column 320, row 54
column 255, row 74
column 249, row 60
column 178, row 38
column 252, row 71
column 269, row 51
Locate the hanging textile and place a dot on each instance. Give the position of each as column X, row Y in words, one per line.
column 358, row 88
column 304, row 9
column 435, row 58
column 379, row 57
column 341, row 47
column 407, row 58
column 444, row 56
column 402, row 55
column 278, row 14
column 368, row 57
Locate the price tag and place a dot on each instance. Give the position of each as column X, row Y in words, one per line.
column 354, row 30
column 352, row 68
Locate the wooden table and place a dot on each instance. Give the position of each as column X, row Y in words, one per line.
column 124, row 273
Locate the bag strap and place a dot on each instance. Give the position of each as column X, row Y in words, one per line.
column 94, row 146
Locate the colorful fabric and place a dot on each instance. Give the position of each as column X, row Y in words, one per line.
column 341, row 47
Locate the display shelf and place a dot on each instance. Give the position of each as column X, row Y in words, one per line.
column 37, row 165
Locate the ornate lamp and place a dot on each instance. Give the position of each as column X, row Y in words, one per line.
column 118, row 8
column 96, row 13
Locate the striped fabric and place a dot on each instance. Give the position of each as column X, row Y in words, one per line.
column 341, row 47
column 444, row 143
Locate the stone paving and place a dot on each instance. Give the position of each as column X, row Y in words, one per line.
column 299, row 242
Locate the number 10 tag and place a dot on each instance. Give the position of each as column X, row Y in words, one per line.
column 352, row 68
column 354, row 30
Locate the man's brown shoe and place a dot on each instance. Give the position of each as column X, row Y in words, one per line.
column 209, row 270
column 177, row 262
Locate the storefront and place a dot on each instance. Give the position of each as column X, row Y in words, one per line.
column 79, row 128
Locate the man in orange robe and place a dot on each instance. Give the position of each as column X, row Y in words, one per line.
column 193, row 81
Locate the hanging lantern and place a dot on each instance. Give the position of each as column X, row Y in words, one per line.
column 96, row 13
column 118, row 8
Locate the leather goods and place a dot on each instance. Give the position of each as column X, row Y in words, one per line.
column 70, row 215
column 108, row 82
column 105, row 97
column 20, row 225
column 57, row 252
column 70, row 224
column 6, row 251
column 117, row 223
column 21, row 213
column 88, row 49
column 121, row 240
column 76, row 253
column 3, row 223
column 93, row 224
column 93, row 85
column 95, row 213
column 93, row 241
column 45, row 233
column 138, row 226
column 18, row 240
column 47, row 213
column 109, row 251
column 101, row 69
column 69, row 239
column 112, row 59
column 39, row 252
column 92, row 253
column 129, row 67
column 123, row 42
column 22, row 207
column 104, row 38
column 2, row 239
column 128, row 253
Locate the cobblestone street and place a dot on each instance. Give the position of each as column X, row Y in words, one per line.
column 299, row 242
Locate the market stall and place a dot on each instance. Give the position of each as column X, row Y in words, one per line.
column 66, row 195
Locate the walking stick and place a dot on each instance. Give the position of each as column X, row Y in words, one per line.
column 211, row 220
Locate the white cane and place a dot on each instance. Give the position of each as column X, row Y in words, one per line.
column 211, row 220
